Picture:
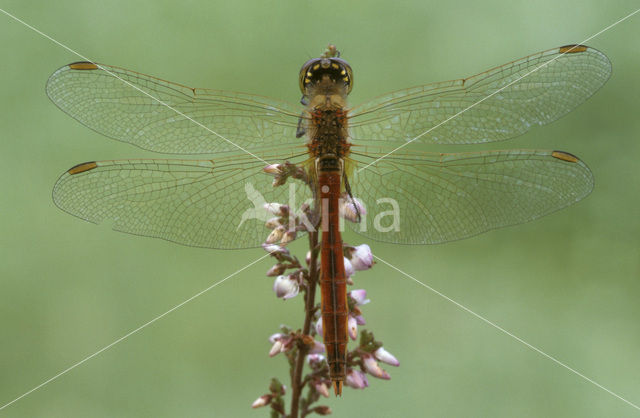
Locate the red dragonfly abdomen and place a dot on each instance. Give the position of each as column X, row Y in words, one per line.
column 333, row 280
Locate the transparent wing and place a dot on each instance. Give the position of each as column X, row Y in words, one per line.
column 446, row 197
column 118, row 103
column 553, row 83
column 203, row 203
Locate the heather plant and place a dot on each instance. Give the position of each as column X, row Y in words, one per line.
column 308, row 373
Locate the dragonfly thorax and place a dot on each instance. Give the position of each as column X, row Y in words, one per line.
column 327, row 130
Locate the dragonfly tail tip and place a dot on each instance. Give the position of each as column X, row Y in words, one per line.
column 337, row 387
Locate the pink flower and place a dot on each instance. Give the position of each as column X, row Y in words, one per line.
column 275, row 249
column 362, row 257
column 317, row 348
column 319, row 326
column 281, row 343
column 386, row 357
column 359, row 296
column 286, row 287
column 348, row 268
column 350, row 208
column 314, row 359
column 373, row 368
column 356, row 379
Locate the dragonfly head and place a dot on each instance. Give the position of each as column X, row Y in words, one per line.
column 316, row 70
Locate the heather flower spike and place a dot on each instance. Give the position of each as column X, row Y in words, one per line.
column 291, row 278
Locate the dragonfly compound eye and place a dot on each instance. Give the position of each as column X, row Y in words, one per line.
column 313, row 71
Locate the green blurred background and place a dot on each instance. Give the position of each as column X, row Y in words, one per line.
column 568, row 284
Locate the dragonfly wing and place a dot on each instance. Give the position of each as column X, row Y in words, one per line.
column 446, row 197
column 202, row 203
column 501, row 103
column 133, row 107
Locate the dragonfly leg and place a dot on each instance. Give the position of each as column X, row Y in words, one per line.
column 347, row 188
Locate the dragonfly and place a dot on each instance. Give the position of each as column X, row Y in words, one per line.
column 380, row 149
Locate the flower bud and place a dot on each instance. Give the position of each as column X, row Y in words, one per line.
column 288, row 236
column 273, row 222
column 386, row 357
column 261, row 401
column 285, row 287
column 275, row 235
column 273, row 169
column 316, row 348
column 359, row 296
column 322, row 410
column 362, row 257
column 275, row 249
column 351, row 209
column 348, row 268
column 276, row 348
column 352, row 326
column 322, row 389
column 319, row 326
column 277, row 209
column 276, row 270
column 373, row 368
column 307, row 258
column 273, row 208
column 315, row 359
column 356, row 379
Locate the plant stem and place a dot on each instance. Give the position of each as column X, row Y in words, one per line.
column 296, row 382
